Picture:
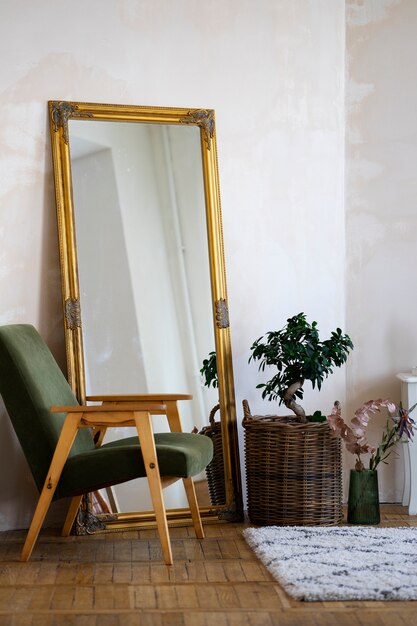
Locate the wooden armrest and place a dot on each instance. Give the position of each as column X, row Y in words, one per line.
column 115, row 412
column 107, row 415
column 108, row 408
column 148, row 397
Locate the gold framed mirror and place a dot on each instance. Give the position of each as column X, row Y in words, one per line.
column 142, row 261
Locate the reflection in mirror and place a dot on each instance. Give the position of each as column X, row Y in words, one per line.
column 143, row 278
column 143, row 267
column 142, row 259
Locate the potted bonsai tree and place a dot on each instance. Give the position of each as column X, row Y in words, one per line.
column 299, row 355
column 293, row 464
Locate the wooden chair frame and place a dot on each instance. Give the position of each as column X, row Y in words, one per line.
column 120, row 411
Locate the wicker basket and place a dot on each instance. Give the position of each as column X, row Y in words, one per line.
column 215, row 469
column 293, row 471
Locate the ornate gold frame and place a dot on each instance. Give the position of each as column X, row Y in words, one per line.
column 59, row 114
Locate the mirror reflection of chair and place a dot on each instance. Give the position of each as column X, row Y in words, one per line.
column 56, row 435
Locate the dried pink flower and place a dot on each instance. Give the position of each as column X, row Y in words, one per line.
column 354, row 436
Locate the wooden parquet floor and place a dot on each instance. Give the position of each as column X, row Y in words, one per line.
column 118, row 579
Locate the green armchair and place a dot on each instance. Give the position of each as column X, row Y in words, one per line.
column 62, row 441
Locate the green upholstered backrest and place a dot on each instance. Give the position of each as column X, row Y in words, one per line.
column 30, row 383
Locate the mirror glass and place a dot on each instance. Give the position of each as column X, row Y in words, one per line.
column 142, row 264
column 143, row 260
column 143, row 267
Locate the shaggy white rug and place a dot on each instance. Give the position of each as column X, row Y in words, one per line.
column 339, row 563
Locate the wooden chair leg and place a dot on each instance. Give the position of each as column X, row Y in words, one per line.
column 71, row 515
column 173, row 416
column 175, row 426
column 147, row 444
column 193, row 504
column 36, row 524
column 66, row 439
column 114, row 505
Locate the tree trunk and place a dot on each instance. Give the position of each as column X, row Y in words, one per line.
column 291, row 404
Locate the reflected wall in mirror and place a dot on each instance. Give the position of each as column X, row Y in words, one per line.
column 142, row 263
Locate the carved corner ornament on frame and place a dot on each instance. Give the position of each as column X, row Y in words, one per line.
column 60, row 114
column 204, row 119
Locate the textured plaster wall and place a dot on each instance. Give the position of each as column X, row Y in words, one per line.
column 273, row 71
column 381, row 201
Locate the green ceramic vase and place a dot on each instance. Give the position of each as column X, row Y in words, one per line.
column 363, row 502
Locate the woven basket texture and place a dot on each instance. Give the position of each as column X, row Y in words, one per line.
column 215, row 469
column 293, row 471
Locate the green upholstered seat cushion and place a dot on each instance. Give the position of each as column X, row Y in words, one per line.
column 30, row 383
column 179, row 454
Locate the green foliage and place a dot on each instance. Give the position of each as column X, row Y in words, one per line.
column 298, row 354
column 317, row 417
column 209, row 371
column 389, row 439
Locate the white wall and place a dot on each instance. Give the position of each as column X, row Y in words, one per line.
column 381, row 206
column 274, row 72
